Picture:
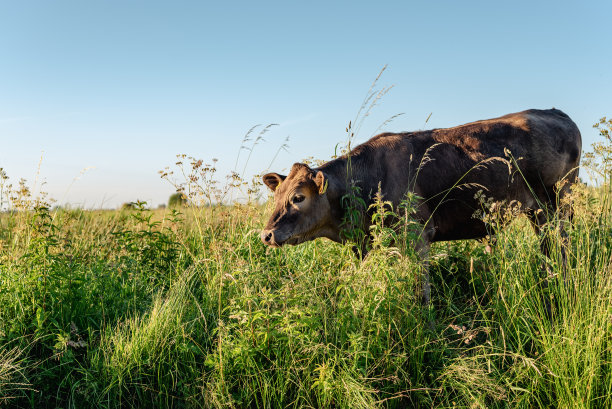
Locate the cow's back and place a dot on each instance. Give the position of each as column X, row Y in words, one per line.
column 519, row 156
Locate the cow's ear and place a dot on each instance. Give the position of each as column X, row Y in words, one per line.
column 321, row 182
column 272, row 180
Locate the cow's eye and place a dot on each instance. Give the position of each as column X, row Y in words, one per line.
column 298, row 198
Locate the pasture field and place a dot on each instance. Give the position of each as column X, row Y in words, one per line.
column 185, row 307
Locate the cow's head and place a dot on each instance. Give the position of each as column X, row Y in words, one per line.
column 301, row 207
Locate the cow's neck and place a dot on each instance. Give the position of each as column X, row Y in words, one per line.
column 342, row 175
column 356, row 171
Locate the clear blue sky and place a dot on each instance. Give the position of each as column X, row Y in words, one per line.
column 123, row 86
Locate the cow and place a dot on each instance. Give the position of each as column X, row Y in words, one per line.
column 529, row 157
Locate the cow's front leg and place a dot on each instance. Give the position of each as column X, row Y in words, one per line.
column 359, row 251
column 362, row 248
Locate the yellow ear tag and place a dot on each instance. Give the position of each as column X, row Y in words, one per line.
column 323, row 189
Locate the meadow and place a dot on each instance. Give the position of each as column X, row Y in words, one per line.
column 185, row 307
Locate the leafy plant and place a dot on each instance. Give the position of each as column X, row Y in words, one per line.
column 177, row 200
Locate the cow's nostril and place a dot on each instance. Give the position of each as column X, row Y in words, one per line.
column 266, row 237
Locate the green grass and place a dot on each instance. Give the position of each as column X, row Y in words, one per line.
column 111, row 309
column 185, row 307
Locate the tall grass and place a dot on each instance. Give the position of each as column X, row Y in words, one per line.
column 185, row 307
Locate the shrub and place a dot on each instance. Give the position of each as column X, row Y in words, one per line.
column 177, row 200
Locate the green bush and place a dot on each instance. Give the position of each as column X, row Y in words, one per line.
column 177, row 200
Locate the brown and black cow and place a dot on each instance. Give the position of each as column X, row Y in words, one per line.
column 517, row 157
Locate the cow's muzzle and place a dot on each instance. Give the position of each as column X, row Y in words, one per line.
column 267, row 237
